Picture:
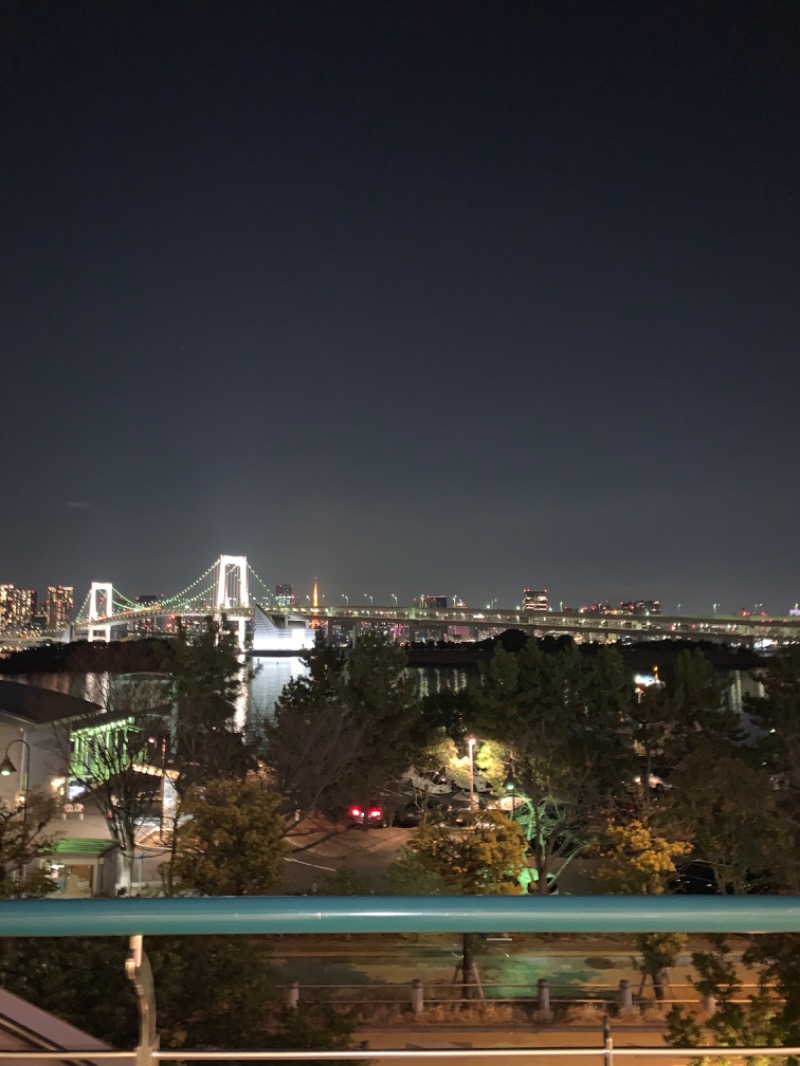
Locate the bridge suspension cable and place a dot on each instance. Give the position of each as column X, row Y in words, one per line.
column 84, row 607
column 182, row 596
column 259, row 579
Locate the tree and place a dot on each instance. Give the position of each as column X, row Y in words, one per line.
column 726, row 803
column 202, row 999
column 669, row 719
column 119, row 763
column 640, row 861
column 778, row 716
column 205, row 679
column 232, row 840
column 382, row 701
column 22, row 841
column 487, row 856
column 637, row 860
column 756, row 1022
column 347, row 730
column 559, row 717
column 309, row 751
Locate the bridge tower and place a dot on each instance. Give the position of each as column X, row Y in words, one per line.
column 101, row 605
column 233, row 592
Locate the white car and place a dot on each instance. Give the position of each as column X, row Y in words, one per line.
column 433, row 782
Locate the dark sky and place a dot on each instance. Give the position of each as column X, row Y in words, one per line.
column 441, row 297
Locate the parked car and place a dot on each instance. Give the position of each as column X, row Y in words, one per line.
column 372, row 815
column 696, row 878
column 409, row 817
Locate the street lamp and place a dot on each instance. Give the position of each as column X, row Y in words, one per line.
column 395, row 599
column 471, row 741
column 511, row 789
column 7, row 767
column 346, row 599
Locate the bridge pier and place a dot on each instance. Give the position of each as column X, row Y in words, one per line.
column 96, row 632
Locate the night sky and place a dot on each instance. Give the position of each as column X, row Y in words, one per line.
column 435, row 297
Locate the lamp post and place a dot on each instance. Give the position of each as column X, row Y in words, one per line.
column 346, row 599
column 395, row 599
column 471, row 741
column 511, row 789
column 7, row 767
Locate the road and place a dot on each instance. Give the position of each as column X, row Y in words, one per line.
column 507, row 969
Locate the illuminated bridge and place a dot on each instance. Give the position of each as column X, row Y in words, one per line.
column 230, row 587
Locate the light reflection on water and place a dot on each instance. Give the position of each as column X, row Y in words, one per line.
column 268, row 678
column 264, row 679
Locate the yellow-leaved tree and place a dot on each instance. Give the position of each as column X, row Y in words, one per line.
column 640, row 861
column 485, row 857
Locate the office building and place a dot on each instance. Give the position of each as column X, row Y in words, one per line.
column 534, row 600
column 284, row 596
column 438, row 602
column 17, row 607
column 59, row 607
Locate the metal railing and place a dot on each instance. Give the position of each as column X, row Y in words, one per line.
column 136, row 918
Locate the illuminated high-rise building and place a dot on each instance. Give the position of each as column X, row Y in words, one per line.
column 23, row 608
column 59, row 607
column 439, row 602
column 284, row 595
column 17, row 607
column 534, row 600
column 6, row 592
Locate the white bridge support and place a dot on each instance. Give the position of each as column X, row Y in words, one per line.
column 232, row 585
column 105, row 590
column 233, row 592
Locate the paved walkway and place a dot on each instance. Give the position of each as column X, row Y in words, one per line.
column 467, row 1038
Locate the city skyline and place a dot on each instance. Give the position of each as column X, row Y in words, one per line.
column 412, row 298
column 329, row 594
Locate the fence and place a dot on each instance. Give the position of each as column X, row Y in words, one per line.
column 253, row 915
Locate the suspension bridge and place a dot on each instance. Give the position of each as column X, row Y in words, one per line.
column 223, row 589
column 230, row 587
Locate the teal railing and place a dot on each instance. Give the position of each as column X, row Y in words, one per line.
column 136, row 918
column 400, row 914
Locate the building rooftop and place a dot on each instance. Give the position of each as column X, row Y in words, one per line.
column 39, row 706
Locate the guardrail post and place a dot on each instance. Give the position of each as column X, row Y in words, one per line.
column 543, row 994
column 417, row 996
column 608, row 1043
column 137, row 969
column 293, row 995
column 625, row 994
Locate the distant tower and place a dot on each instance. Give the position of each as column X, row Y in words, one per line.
column 315, row 596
